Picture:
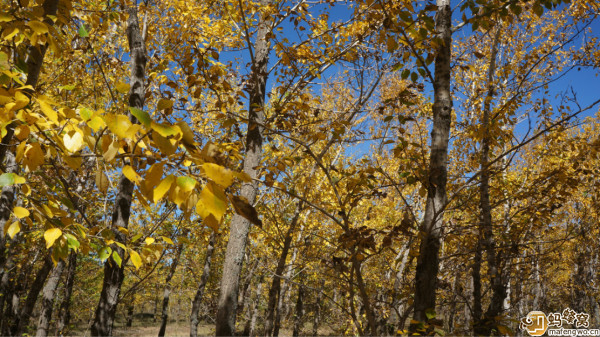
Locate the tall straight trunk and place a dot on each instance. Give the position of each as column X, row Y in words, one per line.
column 476, row 281
column 362, row 290
column 317, row 314
column 299, row 312
column 48, row 295
column 167, row 291
column 498, row 284
column 113, row 273
column 22, row 321
column 35, row 59
column 246, row 286
column 250, row 327
column 64, row 313
column 130, row 310
column 284, row 294
column 275, row 288
column 7, row 289
column 240, row 226
column 194, row 319
column 428, row 261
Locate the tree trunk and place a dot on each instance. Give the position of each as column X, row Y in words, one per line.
column 130, row 310
column 428, row 261
column 275, row 288
column 64, row 313
column 167, row 292
column 22, row 321
column 240, row 227
column 113, row 273
column 48, row 295
column 498, row 285
column 362, row 290
column 35, row 59
column 250, row 328
column 299, row 312
column 317, row 317
column 476, row 281
column 246, row 286
column 194, row 319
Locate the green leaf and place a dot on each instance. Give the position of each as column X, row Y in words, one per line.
column 186, row 183
column 7, row 179
column 72, row 242
column 104, row 253
column 117, row 258
column 83, row 32
column 86, row 114
column 141, row 116
column 414, row 77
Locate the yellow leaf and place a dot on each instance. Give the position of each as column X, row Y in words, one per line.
column 130, row 173
column 186, row 183
column 38, row 27
column 212, row 202
column 20, row 212
column 22, row 132
column 122, row 87
column 163, row 187
column 48, row 111
column 164, row 104
column 135, row 259
column 187, row 133
column 218, row 174
column 165, row 130
column 51, row 235
column 165, row 145
column 118, row 124
column 33, row 156
column 73, row 141
column 13, row 229
column 101, row 181
column 154, row 174
column 111, row 151
column 96, row 123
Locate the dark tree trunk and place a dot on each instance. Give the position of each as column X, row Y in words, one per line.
column 362, row 290
column 246, row 286
column 428, row 261
column 64, row 314
column 194, row 317
column 240, row 227
column 22, row 321
column 113, row 273
column 35, row 59
column 275, row 288
column 48, row 295
column 130, row 310
column 250, row 327
column 317, row 312
column 476, row 278
column 299, row 312
column 497, row 281
column 167, row 292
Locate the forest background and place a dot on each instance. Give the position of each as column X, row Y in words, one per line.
column 299, row 168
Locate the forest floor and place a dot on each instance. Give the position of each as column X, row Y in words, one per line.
column 175, row 329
